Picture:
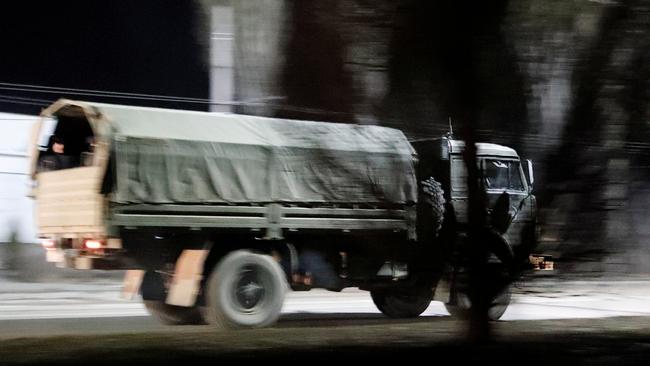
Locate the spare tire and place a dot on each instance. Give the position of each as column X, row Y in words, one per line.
column 432, row 206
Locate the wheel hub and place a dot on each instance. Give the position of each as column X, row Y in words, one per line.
column 249, row 292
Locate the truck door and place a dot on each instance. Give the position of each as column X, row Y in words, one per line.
column 506, row 175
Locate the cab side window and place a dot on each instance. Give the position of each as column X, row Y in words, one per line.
column 458, row 178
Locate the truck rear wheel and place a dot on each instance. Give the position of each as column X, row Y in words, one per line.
column 153, row 296
column 402, row 303
column 245, row 290
column 172, row 314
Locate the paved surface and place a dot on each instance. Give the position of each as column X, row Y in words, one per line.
column 333, row 338
column 592, row 323
column 541, row 299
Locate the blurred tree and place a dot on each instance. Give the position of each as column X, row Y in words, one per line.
column 566, row 82
column 316, row 84
column 607, row 119
column 260, row 38
column 427, row 46
column 444, row 58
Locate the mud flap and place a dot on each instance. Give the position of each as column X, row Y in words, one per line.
column 188, row 274
column 132, row 282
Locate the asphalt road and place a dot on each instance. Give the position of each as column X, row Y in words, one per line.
column 334, row 339
column 36, row 309
column 575, row 322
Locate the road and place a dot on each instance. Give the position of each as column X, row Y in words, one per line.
column 36, row 309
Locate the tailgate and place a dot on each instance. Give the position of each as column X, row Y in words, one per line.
column 68, row 202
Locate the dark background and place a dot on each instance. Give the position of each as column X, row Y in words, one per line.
column 144, row 47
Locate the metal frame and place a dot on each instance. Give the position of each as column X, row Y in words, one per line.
column 272, row 217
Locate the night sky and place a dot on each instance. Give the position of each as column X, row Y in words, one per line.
column 142, row 47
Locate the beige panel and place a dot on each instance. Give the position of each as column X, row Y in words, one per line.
column 50, row 207
column 69, row 201
column 188, row 273
column 72, row 231
column 83, row 263
column 33, row 143
column 132, row 281
column 114, row 243
column 73, row 188
column 66, row 177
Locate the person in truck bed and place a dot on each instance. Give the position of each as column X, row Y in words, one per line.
column 54, row 157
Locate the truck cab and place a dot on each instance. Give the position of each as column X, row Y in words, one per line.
column 503, row 174
column 511, row 213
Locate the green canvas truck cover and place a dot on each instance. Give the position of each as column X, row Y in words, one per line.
column 165, row 156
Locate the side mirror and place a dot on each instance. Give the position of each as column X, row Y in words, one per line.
column 529, row 174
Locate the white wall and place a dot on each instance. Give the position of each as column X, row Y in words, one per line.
column 221, row 56
column 16, row 209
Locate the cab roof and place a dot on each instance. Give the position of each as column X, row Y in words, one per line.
column 483, row 149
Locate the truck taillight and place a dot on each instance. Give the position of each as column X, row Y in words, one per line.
column 93, row 244
column 48, row 244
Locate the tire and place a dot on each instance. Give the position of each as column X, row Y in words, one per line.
column 433, row 198
column 402, row 303
column 153, row 296
column 245, row 290
column 459, row 304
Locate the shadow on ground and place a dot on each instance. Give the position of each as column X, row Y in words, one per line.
column 620, row 341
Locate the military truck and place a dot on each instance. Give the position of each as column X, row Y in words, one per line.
column 215, row 216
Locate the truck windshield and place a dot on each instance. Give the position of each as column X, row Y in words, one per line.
column 503, row 174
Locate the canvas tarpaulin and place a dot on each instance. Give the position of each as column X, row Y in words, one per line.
column 172, row 156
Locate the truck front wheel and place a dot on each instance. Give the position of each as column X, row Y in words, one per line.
column 459, row 303
column 402, row 303
column 498, row 305
column 245, row 290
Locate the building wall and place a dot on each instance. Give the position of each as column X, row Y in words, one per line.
column 16, row 209
column 221, row 56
